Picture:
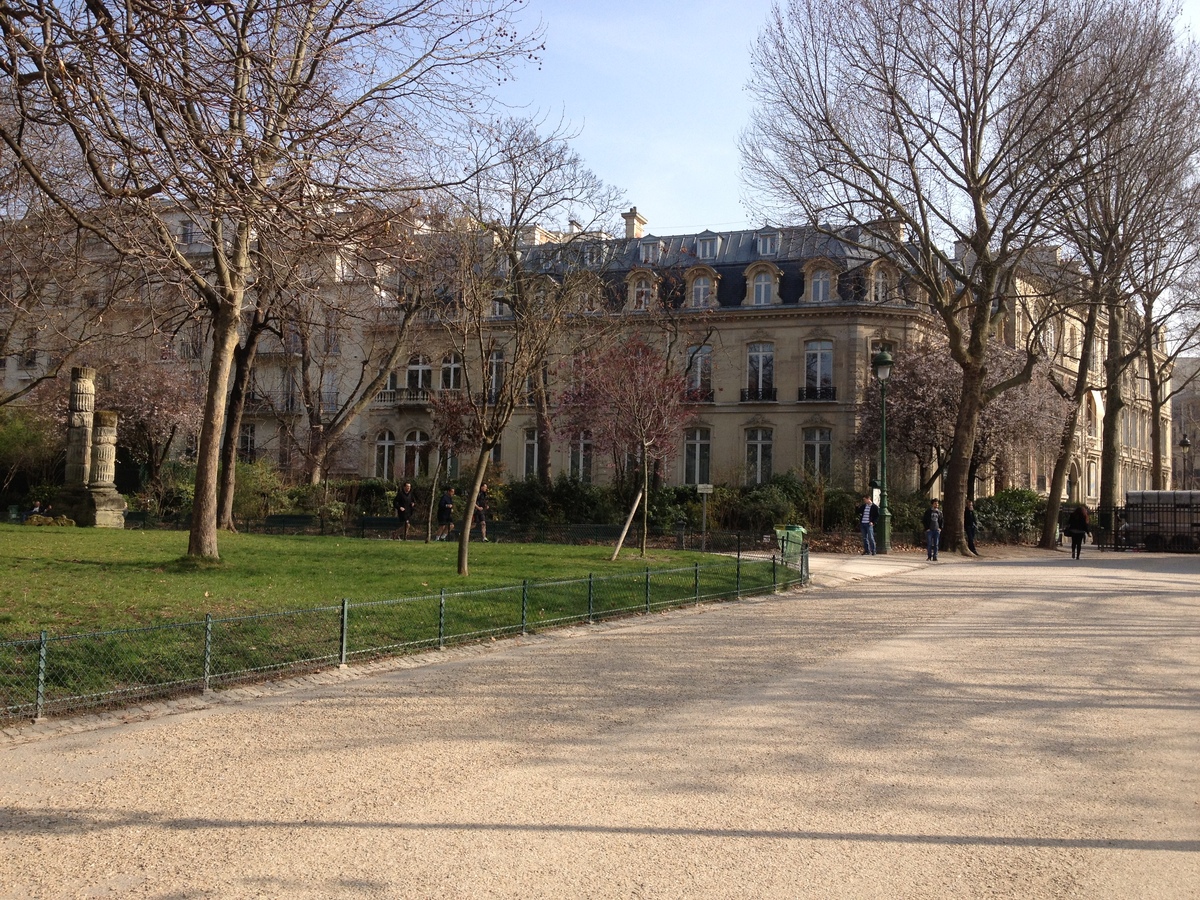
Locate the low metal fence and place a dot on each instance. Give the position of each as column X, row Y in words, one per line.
column 1154, row 528
column 65, row 674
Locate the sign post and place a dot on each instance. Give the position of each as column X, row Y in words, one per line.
column 704, row 490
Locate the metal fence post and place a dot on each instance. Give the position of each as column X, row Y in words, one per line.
column 40, row 707
column 774, row 580
column 647, row 589
column 207, row 650
column 442, row 620
column 591, row 599
column 524, row 605
column 345, row 631
column 737, row 591
column 696, row 582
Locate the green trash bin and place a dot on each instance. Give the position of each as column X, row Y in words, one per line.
column 791, row 540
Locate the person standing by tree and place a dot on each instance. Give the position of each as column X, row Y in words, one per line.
column 404, row 505
column 483, row 505
column 971, row 524
column 867, row 514
column 934, row 520
column 445, row 515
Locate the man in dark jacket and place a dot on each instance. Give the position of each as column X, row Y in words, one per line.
column 934, row 520
column 970, row 525
column 867, row 514
column 405, row 504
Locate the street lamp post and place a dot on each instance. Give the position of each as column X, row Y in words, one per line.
column 1185, row 447
column 882, row 366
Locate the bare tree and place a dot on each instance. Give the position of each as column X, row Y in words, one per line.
column 227, row 114
column 924, row 125
column 523, row 294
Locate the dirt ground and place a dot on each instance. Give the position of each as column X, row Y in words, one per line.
column 1020, row 726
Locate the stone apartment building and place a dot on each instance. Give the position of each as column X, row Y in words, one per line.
column 777, row 328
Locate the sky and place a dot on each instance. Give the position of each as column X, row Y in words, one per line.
column 656, row 91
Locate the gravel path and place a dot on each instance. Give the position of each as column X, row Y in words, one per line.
column 1025, row 727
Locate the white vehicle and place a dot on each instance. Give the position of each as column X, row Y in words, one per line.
column 1160, row 520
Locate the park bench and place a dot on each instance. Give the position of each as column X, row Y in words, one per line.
column 377, row 523
column 290, row 522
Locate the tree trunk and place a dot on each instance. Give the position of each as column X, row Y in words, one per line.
column 433, row 493
column 545, row 432
column 958, row 472
column 1114, row 402
column 202, row 541
column 243, row 370
column 464, row 539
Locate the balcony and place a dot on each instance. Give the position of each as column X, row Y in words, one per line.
column 758, row 395
column 826, row 394
column 269, row 402
column 698, row 395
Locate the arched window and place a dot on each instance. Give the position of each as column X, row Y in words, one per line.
column 385, row 454
column 821, row 282
column 764, row 289
column 641, row 294
column 701, row 291
column 1093, row 480
column 882, row 286
column 416, row 454
column 420, row 374
column 452, row 373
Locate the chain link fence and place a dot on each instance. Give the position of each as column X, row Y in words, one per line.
column 67, row 674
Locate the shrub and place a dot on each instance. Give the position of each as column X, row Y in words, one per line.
column 1009, row 515
column 259, row 489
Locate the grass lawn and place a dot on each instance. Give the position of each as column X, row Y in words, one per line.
column 81, row 579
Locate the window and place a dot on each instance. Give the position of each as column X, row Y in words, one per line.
column 500, row 309
column 820, row 286
column 641, row 294
column 581, row 457
column 758, row 455
column 450, row 465
column 699, row 374
column 768, row 244
column 284, row 441
column 188, row 233
column 329, row 390
column 697, row 446
column 706, row 248
column 495, row 375
column 190, row 344
column 291, row 340
column 818, row 371
column 1093, row 480
column 246, row 442
column 420, row 374
column 385, row 454
column 818, row 451
column 881, row 286
column 532, row 448
column 764, row 289
column 416, row 455
column 760, row 372
column 651, row 251
column 452, row 373
column 701, row 291
column 333, row 340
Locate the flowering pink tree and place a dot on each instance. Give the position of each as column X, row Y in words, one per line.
column 631, row 401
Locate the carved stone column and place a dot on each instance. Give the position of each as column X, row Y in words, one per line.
column 104, row 450
column 79, row 427
column 108, row 507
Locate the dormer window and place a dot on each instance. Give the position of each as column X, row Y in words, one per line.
column 701, row 291
column 821, row 284
column 881, row 288
column 706, row 248
column 764, row 286
column 641, row 294
column 651, row 251
column 768, row 244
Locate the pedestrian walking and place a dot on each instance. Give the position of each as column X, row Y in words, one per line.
column 867, row 514
column 445, row 515
column 970, row 524
column 483, row 505
column 934, row 521
column 405, row 505
column 1078, row 527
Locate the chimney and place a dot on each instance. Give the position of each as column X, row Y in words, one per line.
column 574, row 227
column 634, row 223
